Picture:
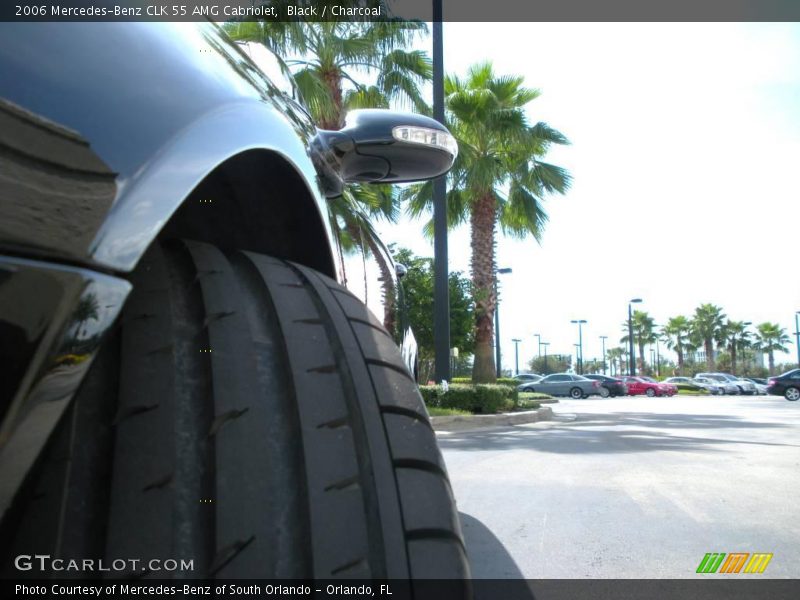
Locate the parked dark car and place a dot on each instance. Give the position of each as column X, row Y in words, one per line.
column 183, row 375
column 786, row 385
column 609, row 386
column 564, row 384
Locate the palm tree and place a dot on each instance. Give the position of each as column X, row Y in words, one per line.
column 499, row 179
column 643, row 333
column 733, row 334
column 771, row 337
column 676, row 336
column 615, row 356
column 707, row 321
column 327, row 61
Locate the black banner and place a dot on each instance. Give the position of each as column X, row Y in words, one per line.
column 353, row 10
column 713, row 588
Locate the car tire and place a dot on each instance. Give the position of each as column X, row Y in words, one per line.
column 792, row 394
column 252, row 416
column 650, row 392
column 604, row 393
column 576, row 393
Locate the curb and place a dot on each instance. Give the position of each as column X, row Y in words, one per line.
column 462, row 423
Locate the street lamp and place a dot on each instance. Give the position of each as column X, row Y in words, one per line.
column 580, row 322
column 545, row 345
column 797, row 335
column 497, row 321
column 604, row 338
column 577, row 354
column 441, row 289
column 516, row 354
column 631, row 355
column 652, row 355
column 539, row 346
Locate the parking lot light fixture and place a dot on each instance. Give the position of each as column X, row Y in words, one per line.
column 545, row 370
column 497, row 355
column 580, row 322
column 539, row 344
column 797, row 335
column 516, row 355
column 604, row 338
column 631, row 355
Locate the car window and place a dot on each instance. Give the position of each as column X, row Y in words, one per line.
column 557, row 378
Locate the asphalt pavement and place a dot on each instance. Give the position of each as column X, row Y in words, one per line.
column 631, row 487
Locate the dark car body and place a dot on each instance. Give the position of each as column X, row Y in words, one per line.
column 786, row 385
column 99, row 160
column 615, row 387
column 564, row 384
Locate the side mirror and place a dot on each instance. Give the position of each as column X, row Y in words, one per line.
column 382, row 146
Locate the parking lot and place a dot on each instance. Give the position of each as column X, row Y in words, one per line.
column 631, row 487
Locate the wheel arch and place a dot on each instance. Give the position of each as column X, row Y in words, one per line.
column 256, row 200
column 253, row 169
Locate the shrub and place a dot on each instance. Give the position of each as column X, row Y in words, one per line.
column 509, row 381
column 430, row 394
column 477, row 399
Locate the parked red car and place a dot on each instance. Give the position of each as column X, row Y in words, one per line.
column 649, row 386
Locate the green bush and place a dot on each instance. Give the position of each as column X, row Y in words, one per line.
column 461, row 380
column 477, row 399
column 430, row 394
column 509, row 381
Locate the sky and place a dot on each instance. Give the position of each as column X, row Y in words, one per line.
column 685, row 140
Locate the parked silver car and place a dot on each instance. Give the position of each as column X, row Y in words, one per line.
column 761, row 388
column 725, row 386
column 714, row 386
column 744, row 386
column 564, row 384
column 694, row 384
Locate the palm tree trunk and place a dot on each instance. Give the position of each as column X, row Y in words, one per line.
column 333, row 81
column 709, row 347
column 771, row 356
column 387, row 286
column 679, row 350
column 482, row 221
column 733, row 357
column 641, row 356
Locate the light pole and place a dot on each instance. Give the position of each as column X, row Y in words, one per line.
column 652, row 356
column 797, row 336
column 580, row 322
column 497, row 321
column 577, row 355
column 516, row 354
column 539, row 344
column 631, row 355
column 604, row 338
column 441, row 290
column 546, row 368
